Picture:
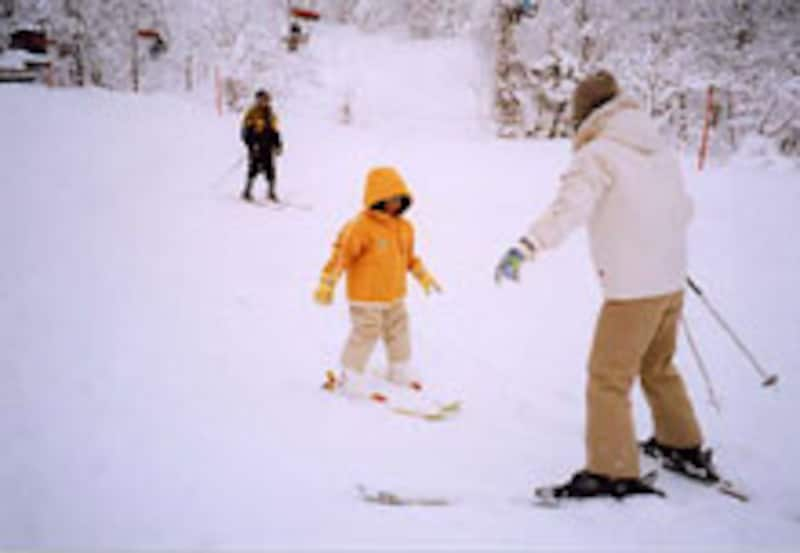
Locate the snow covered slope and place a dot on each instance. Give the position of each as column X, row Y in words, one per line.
column 161, row 355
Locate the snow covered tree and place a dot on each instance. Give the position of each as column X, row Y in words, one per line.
column 6, row 8
column 368, row 14
column 255, row 56
column 98, row 41
column 534, row 78
column 666, row 54
column 433, row 18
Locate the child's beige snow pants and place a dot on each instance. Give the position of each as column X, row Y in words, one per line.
column 635, row 338
column 372, row 322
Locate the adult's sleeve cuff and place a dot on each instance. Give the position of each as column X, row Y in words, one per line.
column 529, row 247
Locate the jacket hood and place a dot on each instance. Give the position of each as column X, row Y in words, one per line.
column 384, row 183
column 623, row 121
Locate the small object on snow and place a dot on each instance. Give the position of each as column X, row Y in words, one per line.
column 392, row 499
column 585, row 484
column 694, row 464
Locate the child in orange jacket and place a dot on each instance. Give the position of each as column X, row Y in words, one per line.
column 376, row 250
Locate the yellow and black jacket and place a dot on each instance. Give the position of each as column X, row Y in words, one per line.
column 260, row 129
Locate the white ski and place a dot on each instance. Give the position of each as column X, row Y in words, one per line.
column 383, row 497
column 723, row 485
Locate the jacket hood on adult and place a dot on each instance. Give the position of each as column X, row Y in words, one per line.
column 384, row 183
column 623, row 121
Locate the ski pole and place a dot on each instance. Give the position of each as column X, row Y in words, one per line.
column 228, row 171
column 712, row 396
column 767, row 379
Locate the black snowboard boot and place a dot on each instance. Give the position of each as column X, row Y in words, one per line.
column 589, row 484
column 694, row 462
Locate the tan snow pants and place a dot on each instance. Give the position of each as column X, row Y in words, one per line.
column 371, row 323
column 635, row 338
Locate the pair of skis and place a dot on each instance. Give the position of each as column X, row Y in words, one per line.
column 391, row 396
column 279, row 205
column 554, row 497
column 275, row 203
column 549, row 496
column 402, row 400
column 544, row 496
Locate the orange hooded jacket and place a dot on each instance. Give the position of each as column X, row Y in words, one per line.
column 375, row 249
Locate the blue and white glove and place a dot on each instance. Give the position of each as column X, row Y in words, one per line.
column 511, row 263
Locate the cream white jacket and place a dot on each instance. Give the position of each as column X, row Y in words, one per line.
column 626, row 185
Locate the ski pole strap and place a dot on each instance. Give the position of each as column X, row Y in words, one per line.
column 529, row 246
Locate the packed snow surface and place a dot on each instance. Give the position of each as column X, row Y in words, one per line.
column 162, row 357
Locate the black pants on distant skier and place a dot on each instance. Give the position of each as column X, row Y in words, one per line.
column 260, row 162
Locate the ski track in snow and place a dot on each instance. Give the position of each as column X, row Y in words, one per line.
column 162, row 357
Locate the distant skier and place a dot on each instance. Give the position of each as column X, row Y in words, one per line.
column 263, row 140
column 627, row 186
column 517, row 9
column 296, row 37
column 376, row 250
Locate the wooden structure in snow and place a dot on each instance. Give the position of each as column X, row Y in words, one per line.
column 29, row 40
column 27, row 58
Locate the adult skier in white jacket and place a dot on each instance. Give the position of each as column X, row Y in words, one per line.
column 626, row 185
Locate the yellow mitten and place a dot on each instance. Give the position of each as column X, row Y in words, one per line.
column 426, row 280
column 323, row 295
